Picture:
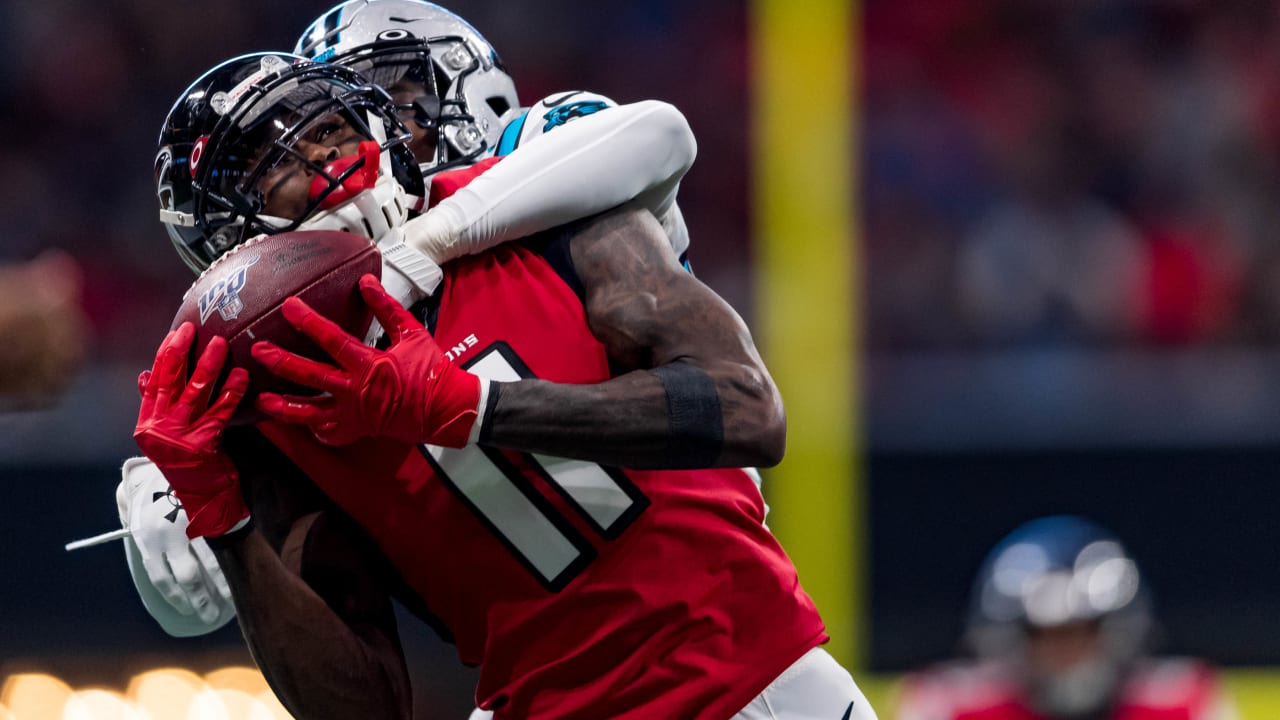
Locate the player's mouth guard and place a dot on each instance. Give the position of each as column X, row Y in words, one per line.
column 364, row 178
column 413, row 275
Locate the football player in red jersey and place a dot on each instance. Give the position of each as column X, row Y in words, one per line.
column 460, row 105
column 1059, row 620
column 479, row 478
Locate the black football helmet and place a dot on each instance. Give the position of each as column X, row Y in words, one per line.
column 242, row 129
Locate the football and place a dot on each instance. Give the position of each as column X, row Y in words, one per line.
column 240, row 295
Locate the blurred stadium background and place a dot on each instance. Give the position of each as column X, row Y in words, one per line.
column 1007, row 258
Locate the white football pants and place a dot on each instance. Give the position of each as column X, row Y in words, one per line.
column 815, row 687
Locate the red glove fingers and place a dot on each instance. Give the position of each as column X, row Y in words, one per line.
column 300, row 370
column 410, row 392
column 297, row 410
column 350, row 352
column 181, row 432
column 321, row 415
column 170, row 364
column 237, row 384
column 446, row 398
column 391, row 315
column 196, row 395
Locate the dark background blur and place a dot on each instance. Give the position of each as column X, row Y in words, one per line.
column 1070, row 228
column 1070, row 246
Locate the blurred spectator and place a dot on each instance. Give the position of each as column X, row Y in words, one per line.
column 1060, row 622
column 1097, row 173
column 42, row 330
column 1049, row 262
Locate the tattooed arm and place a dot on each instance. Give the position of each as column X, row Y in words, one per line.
column 693, row 391
column 688, row 389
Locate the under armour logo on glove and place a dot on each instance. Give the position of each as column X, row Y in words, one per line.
column 172, row 515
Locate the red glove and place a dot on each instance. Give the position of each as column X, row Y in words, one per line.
column 181, row 433
column 409, row 392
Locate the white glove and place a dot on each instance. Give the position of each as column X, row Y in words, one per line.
column 178, row 579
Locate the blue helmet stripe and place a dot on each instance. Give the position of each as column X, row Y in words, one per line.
column 511, row 135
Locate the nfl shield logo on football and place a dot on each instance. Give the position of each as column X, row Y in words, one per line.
column 224, row 295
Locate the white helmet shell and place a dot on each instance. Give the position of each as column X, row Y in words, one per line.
column 477, row 96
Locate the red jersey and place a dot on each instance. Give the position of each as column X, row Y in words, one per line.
column 1155, row 690
column 581, row 591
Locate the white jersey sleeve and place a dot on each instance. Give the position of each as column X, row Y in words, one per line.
column 599, row 156
column 549, row 113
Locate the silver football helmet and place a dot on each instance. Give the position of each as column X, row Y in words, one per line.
column 1057, row 575
column 446, row 78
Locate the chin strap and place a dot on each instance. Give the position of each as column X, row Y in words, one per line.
column 421, row 272
column 414, row 276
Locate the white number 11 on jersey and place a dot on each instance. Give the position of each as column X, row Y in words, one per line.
column 506, row 501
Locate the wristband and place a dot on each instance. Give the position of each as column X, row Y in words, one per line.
column 696, row 431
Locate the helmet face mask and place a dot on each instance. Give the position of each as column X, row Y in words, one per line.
column 446, row 78
column 1069, row 672
column 269, row 143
